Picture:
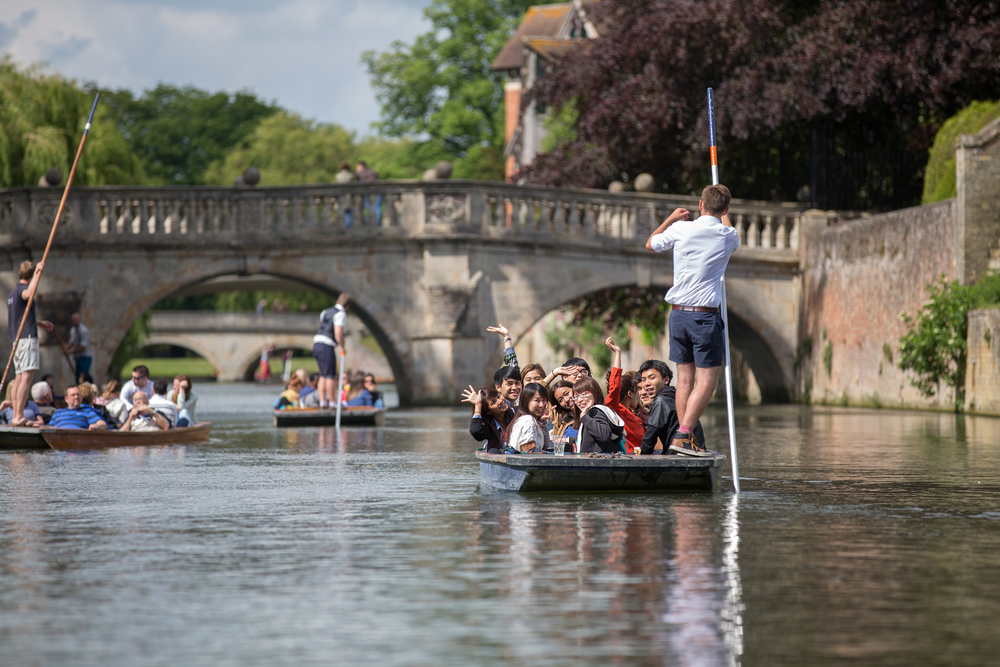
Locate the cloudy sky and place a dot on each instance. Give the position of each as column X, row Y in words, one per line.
column 302, row 53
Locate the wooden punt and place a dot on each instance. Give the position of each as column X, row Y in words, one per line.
column 360, row 416
column 21, row 437
column 575, row 472
column 71, row 439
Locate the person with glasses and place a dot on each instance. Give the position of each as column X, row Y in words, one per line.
column 140, row 382
column 490, row 417
column 601, row 429
column 369, row 394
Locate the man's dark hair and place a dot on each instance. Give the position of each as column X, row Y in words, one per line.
column 659, row 366
column 363, row 163
column 142, row 371
column 160, row 387
column 505, row 373
column 577, row 361
column 313, row 376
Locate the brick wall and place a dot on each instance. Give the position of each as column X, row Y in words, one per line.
column 982, row 375
column 859, row 276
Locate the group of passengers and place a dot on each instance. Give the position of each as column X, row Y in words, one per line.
column 139, row 405
column 360, row 390
column 528, row 411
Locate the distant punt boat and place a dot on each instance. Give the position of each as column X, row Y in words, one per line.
column 71, row 439
column 21, row 437
column 360, row 416
column 574, row 473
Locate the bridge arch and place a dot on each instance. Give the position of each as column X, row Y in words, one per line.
column 763, row 348
column 379, row 320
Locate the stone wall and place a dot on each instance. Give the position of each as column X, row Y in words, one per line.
column 982, row 374
column 977, row 171
column 859, row 276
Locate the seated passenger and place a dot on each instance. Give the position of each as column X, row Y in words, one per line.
column 309, row 383
column 623, row 398
column 142, row 417
column 32, row 415
column 76, row 414
column 527, row 432
column 289, row 397
column 309, row 396
column 507, row 381
column 110, row 398
column 159, row 402
column 563, row 414
column 601, row 429
column 88, row 394
column 41, row 393
column 662, row 422
column 490, row 418
column 354, row 388
column 184, row 399
column 369, row 394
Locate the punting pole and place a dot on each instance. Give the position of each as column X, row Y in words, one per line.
column 52, row 235
column 340, row 381
column 725, row 315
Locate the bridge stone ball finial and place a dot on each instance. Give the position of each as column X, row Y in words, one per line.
column 616, row 186
column 52, row 178
column 644, row 183
column 429, row 175
column 251, row 176
column 443, row 169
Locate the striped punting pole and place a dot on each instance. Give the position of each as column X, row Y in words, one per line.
column 711, row 138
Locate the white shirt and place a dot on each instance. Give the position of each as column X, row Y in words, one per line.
column 129, row 389
column 159, row 403
column 79, row 336
column 327, row 328
column 527, row 429
column 701, row 253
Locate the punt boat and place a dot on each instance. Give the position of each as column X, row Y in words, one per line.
column 21, row 437
column 72, row 439
column 359, row 416
column 577, row 472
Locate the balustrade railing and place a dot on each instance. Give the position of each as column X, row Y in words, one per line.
column 177, row 215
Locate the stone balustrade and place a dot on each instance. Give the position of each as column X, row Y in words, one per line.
column 179, row 215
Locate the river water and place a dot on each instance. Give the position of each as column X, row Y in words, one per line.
column 861, row 537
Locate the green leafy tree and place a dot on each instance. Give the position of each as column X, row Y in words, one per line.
column 179, row 132
column 940, row 180
column 42, row 118
column 934, row 349
column 440, row 89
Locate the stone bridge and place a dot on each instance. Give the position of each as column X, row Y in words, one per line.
column 233, row 342
column 446, row 259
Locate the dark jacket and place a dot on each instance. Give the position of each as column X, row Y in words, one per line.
column 598, row 434
column 483, row 429
column 662, row 422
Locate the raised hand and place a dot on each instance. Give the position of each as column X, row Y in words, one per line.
column 611, row 344
column 470, row 395
column 500, row 329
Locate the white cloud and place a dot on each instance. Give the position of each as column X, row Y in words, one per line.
column 302, row 53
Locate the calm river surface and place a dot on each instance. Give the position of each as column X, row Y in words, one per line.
column 861, row 537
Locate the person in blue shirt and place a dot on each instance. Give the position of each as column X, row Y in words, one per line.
column 31, row 414
column 369, row 395
column 76, row 414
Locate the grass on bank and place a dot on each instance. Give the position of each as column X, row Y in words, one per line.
column 196, row 367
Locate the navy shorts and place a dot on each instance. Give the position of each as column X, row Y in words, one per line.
column 326, row 359
column 697, row 337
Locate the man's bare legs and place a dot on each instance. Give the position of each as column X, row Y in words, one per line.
column 19, row 395
column 327, row 387
column 695, row 387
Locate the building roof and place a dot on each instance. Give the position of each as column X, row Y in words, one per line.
column 539, row 21
column 550, row 48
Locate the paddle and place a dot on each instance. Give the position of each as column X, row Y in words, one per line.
column 725, row 316
column 48, row 246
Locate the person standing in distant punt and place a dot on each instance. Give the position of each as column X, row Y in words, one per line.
column 332, row 325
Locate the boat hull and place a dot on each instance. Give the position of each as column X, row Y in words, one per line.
column 575, row 473
column 319, row 417
column 68, row 439
column 19, row 437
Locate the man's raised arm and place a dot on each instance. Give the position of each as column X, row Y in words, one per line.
column 678, row 214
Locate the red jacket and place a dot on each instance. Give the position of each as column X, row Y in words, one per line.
column 634, row 430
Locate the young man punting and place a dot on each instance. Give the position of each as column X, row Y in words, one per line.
column 26, row 358
column 702, row 248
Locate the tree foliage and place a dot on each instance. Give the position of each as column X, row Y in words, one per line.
column 940, row 180
column 883, row 71
column 179, row 132
column 440, row 89
column 42, row 118
column 935, row 347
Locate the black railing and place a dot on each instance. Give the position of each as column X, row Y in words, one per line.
column 845, row 176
